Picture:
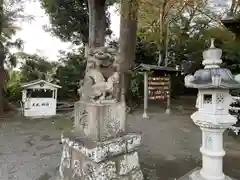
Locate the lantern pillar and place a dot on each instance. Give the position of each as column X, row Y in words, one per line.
column 212, row 153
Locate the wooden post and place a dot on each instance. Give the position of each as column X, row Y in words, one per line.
column 56, row 93
column 145, row 115
column 24, row 95
column 168, row 110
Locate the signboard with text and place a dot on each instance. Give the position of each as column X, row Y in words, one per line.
column 158, row 87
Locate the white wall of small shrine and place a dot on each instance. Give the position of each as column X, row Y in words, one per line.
column 37, row 107
column 40, row 106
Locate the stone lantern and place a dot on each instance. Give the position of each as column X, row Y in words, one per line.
column 212, row 116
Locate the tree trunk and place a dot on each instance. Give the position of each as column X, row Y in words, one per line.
column 128, row 37
column 97, row 26
column 1, row 100
column 1, row 61
column 128, row 33
column 97, row 23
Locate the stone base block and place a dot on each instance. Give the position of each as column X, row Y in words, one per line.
column 115, row 159
column 195, row 175
column 100, row 121
column 100, row 151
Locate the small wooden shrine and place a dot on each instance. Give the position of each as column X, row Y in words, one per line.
column 39, row 98
column 157, row 84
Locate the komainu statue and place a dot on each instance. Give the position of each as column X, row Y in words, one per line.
column 99, row 146
column 101, row 76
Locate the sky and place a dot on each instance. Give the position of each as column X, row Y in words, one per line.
column 36, row 40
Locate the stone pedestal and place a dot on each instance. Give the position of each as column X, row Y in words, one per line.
column 100, row 121
column 115, row 159
column 99, row 148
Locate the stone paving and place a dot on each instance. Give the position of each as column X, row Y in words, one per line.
column 30, row 149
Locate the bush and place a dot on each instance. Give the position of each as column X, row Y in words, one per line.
column 136, row 88
column 14, row 90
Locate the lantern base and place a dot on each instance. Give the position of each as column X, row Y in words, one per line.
column 168, row 111
column 145, row 116
column 195, row 175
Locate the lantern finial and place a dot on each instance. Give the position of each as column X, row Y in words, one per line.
column 212, row 43
column 212, row 56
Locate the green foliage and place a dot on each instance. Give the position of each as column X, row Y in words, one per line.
column 69, row 19
column 231, row 56
column 35, row 67
column 11, row 58
column 136, row 88
column 69, row 74
column 11, row 11
column 146, row 51
column 14, row 90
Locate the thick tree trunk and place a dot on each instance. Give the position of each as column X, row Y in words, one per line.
column 128, row 37
column 97, row 23
column 1, row 100
column 128, row 33
column 1, row 61
column 97, row 26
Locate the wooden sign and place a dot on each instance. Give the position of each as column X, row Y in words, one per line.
column 158, row 87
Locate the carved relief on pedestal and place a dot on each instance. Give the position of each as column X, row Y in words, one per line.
column 83, row 119
column 111, row 120
column 77, row 170
column 80, row 114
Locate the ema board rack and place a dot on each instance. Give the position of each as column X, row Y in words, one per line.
column 158, row 87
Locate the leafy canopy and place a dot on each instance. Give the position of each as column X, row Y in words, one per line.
column 69, row 74
column 69, row 19
column 35, row 67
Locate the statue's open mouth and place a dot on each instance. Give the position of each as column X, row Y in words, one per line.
column 105, row 65
column 102, row 56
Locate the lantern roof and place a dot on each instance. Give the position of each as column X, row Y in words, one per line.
column 212, row 76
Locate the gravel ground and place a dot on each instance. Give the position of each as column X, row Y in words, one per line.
column 30, row 149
